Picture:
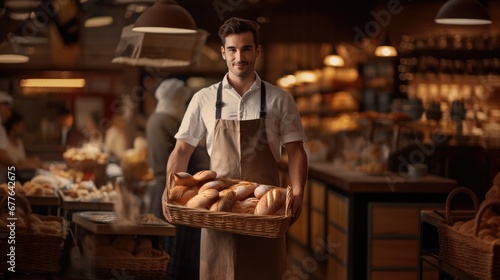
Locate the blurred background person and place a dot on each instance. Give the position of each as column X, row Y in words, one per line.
column 92, row 131
column 25, row 165
column 5, row 111
column 70, row 135
column 172, row 96
column 115, row 137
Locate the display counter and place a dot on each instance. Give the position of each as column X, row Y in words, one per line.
column 358, row 226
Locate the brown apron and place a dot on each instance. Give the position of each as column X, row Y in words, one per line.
column 241, row 151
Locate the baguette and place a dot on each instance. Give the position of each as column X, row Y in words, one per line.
column 271, row 202
column 203, row 199
column 185, row 179
column 182, row 194
column 246, row 206
column 261, row 190
column 243, row 189
column 205, row 175
column 215, row 184
column 225, row 201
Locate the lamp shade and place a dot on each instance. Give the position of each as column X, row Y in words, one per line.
column 10, row 53
column 385, row 48
column 334, row 59
column 165, row 16
column 463, row 12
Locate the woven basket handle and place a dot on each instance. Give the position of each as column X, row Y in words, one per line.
column 484, row 207
column 288, row 202
column 450, row 197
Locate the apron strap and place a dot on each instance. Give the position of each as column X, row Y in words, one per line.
column 218, row 103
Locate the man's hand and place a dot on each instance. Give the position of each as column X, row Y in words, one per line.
column 296, row 208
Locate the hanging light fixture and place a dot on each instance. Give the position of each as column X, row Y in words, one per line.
column 165, row 16
column 463, row 12
column 11, row 54
column 334, row 59
column 98, row 18
column 385, row 48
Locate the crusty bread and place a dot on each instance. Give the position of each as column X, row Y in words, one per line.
column 246, row 206
column 182, row 194
column 185, row 179
column 205, row 175
column 230, row 182
column 149, row 253
column 203, row 199
column 243, row 189
column 225, row 201
column 271, row 202
column 215, row 184
column 260, row 190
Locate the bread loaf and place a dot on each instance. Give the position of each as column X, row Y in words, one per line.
column 271, row 202
column 185, row 179
column 205, row 175
column 260, row 190
column 149, row 253
column 215, row 184
column 203, row 199
column 225, row 201
column 246, row 206
column 182, row 194
column 243, row 189
column 230, row 182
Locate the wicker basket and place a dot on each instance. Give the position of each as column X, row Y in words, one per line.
column 270, row 226
column 34, row 252
column 99, row 267
column 469, row 253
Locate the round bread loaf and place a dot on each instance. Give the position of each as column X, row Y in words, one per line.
column 243, row 189
column 225, row 201
column 215, row 184
column 185, row 179
column 260, row 190
column 205, row 175
column 203, row 199
column 182, row 194
column 271, row 202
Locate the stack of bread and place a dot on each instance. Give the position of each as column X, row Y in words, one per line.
column 87, row 191
column 489, row 226
column 204, row 190
column 120, row 246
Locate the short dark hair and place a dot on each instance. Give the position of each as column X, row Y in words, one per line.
column 14, row 118
column 236, row 25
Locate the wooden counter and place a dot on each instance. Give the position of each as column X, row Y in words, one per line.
column 357, row 226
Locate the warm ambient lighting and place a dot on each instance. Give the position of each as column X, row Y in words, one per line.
column 165, row 16
column 463, row 12
column 385, row 48
column 13, row 58
column 98, row 21
column 66, row 83
column 287, row 81
column 334, row 59
column 305, row 76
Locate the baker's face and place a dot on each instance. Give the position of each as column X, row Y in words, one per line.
column 240, row 54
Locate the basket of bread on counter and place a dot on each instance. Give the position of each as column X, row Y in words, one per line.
column 470, row 240
column 249, row 208
column 34, row 242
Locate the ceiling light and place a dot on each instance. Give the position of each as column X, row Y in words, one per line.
column 11, row 54
column 98, row 18
column 463, row 12
column 65, row 83
column 165, row 16
column 334, row 59
column 385, row 48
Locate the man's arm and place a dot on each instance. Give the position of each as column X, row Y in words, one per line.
column 297, row 170
column 177, row 162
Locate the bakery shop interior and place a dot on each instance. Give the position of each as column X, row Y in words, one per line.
column 363, row 141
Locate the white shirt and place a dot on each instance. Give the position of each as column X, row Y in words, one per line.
column 16, row 152
column 283, row 123
column 115, row 141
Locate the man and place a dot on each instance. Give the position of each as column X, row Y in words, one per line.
column 70, row 136
column 184, row 248
column 5, row 112
column 245, row 121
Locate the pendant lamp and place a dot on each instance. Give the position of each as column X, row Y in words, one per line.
column 463, row 12
column 385, row 48
column 11, row 54
column 334, row 59
column 165, row 16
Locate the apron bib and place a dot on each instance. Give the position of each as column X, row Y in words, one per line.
column 241, row 151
